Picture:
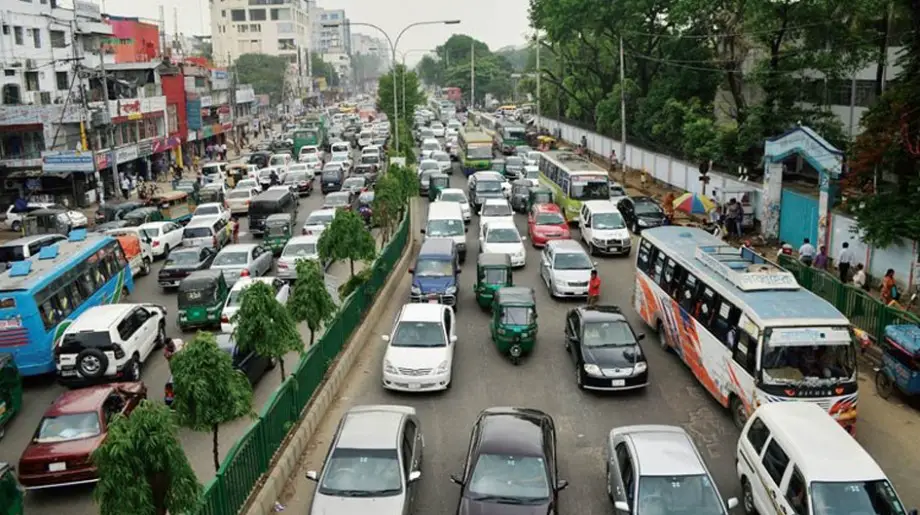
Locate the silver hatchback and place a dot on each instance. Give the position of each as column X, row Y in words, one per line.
column 373, row 465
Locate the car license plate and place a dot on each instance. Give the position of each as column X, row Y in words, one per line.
column 68, row 373
column 57, row 467
column 432, row 301
column 68, row 359
column 617, row 382
column 414, row 386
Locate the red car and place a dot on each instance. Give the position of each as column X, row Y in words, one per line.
column 544, row 223
column 71, row 430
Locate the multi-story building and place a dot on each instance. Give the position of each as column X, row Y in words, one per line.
column 331, row 30
column 259, row 26
column 134, row 41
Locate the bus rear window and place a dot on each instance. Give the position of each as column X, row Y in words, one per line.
column 11, row 253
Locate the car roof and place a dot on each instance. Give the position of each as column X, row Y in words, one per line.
column 25, row 240
column 663, row 451
column 82, row 400
column 442, row 247
column 244, row 282
column 154, row 224
column 488, row 175
column 605, row 313
column 500, row 224
column 208, row 204
column 238, row 247
column 511, row 431
column 200, row 221
column 548, row 208
column 371, row 427
column 453, row 190
column 566, row 246
column 303, row 239
column 601, row 206
column 416, row 312
column 99, row 317
column 804, row 429
column 496, row 201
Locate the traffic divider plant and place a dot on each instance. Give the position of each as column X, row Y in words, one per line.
column 251, row 457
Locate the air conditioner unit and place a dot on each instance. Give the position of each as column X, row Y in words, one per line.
column 99, row 118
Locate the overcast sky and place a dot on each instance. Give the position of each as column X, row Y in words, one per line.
column 497, row 22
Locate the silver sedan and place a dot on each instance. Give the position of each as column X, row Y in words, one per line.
column 243, row 259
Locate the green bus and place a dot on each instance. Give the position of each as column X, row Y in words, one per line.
column 318, row 124
column 305, row 138
column 475, row 152
column 573, row 180
column 510, row 136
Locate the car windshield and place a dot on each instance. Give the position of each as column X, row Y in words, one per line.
column 266, row 174
column 646, row 207
column 339, row 157
column 572, row 261
column 297, row 250
column 207, row 210
column 509, row 479
column 276, row 229
column 607, row 334
column 444, row 158
column 323, row 219
column 607, row 221
column 331, row 176
column 858, row 497
column 549, row 219
column 336, row 200
column 418, row 334
column 235, row 298
column 597, row 189
column 431, row 146
column 514, row 161
column 196, row 232
column 150, row 232
column 429, row 165
column 362, row 473
column 503, row 235
column 617, row 191
column 295, row 177
column 68, row 427
column 692, row 495
column 182, row 258
column 785, row 363
column 240, row 194
column 433, row 268
column 496, row 209
column 354, row 182
column 532, row 174
column 231, row 259
column 453, row 196
column 488, row 186
column 444, row 228
column 370, row 160
column 517, row 315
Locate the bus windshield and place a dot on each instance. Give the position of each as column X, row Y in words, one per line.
column 792, row 355
column 589, row 188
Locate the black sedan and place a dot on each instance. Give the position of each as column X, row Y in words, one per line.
column 245, row 361
column 369, row 172
column 182, row 262
column 641, row 213
column 299, row 182
column 511, row 465
column 605, row 350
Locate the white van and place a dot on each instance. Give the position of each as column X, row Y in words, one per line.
column 794, row 458
column 445, row 220
column 603, row 229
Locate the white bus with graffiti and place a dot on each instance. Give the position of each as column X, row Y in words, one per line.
column 743, row 325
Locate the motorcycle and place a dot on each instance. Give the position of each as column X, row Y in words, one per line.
column 367, row 214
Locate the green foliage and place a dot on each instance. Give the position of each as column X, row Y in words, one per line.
column 323, row 69
column 265, row 326
column 452, row 68
column 265, row 72
column 408, row 93
column 347, row 238
column 310, row 301
column 519, row 58
column 142, row 467
column 208, row 390
column 388, row 202
column 355, row 281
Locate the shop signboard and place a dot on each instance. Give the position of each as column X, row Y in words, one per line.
column 193, row 113
column 145, row 148
column 205, row 101
column 125, row 154
column 103, row 160
column 220, row 80
column 67, row 161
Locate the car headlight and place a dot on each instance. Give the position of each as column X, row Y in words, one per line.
column 643, row 223
column 388, row 367
column 415, row 289
column 451, row 290
column 442, row 367
column 597, row 241
column 640, row 367
column 559, row 283
column 592, row 370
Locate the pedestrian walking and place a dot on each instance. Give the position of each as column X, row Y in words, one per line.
column 807, row 252
column 594, row 288
column 821, row 259
column 125, row 186
column 613, row 160
column 236, row 229
column 223, row 151
column 890, row 291
column 844, row 261
column 734, row 217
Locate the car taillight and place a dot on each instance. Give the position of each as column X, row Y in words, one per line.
column 282, row 265
column 119, row 352
column 244, row 273
column 156, row 243
column 224, row 319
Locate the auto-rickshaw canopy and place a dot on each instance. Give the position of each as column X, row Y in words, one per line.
column 518, row 296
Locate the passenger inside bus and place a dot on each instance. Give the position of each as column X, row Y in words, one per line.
column 797, row 363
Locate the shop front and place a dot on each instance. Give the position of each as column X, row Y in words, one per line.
column 67, row 177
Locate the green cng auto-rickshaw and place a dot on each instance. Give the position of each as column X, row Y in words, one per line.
column 493, row 271
column 514, row 321
column 201, row 299
column 278, row 230
column 539, row 195
column 10, row 391
column 436, row 183
column 11, row 492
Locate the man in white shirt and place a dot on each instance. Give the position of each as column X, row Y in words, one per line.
column 807, row 252
column 859, row 278
column 844, row 261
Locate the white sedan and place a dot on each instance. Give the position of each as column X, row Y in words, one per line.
column 502, row 237
column 459, row 196
column 164, row 236
column 420, row 349
column 234, row 300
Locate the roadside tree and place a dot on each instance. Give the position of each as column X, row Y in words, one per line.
column 264, row 326
column 347, row 237
column 387, row 205
column 142, row 467
column 208, row 390
column 311, row 301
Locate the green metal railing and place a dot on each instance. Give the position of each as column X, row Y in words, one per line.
column 864, row 311
column 252, row 454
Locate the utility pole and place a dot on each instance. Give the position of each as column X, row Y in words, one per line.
column 237, row 136
column 622, row 109
column 111, row 126
column 539, row 76
column 472, row 75
column 310, row 72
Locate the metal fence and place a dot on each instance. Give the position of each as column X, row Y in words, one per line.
column 864, row 311
column 252, row 454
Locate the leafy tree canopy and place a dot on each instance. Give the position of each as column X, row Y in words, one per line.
column 265, row 326
column 452, row 68
column 311, row 301
column 406, row 82
column 265, row 73
column 347, row 238
column 323, row 69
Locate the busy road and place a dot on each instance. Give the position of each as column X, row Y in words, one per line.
column 40, row 392
column 545, row 380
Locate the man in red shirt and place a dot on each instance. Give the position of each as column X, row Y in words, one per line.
column 594, row 288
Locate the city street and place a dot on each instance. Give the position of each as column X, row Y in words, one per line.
column 41, row 392
column 546, row 380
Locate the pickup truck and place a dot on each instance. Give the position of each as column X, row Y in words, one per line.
column 136, row 248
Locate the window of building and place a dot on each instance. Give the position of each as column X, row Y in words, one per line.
column 58, row 39
column 36, row 37
column 17, row 36
column 281, row 14
column 6, row 30
column 242, row 28
column 238, row 14
column 9, row 73
column 223, row 13
column 285, row 28
column 32, row 81
column 11, row 94
column 60, row 79
column 172, row 118
column 257, row 15
column 286, row 44
column 21, row 145
column 255, row 27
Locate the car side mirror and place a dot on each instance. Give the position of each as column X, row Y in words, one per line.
column 411, row 270
column 385, row 337
column 621, row 506
column 466, row 229
column 453, row 338
column 312, row 475
column 640, row 337
column 733, row 503
column 422, row 231
column 561, row 485
column 456, row 479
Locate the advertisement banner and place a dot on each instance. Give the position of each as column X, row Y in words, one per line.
column 193, row 113
column 67, row 161
column 103, row 160
column 164, row 144
column 123, row 155
column 145, row 148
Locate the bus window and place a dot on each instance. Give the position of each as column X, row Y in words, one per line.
column 667, row 278
column 565, row 186
column 643, row 257
column 745, row 351
column 688, row 295
column 677, row 281
column 726, row 320
column 708, row 301
column 659, row 267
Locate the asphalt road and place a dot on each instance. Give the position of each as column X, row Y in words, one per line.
column 546, row 380
column 41, row 392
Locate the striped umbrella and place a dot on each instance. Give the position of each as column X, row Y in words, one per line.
column 694, row 204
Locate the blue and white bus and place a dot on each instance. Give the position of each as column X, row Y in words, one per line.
column 743, row 325
column 41, row 296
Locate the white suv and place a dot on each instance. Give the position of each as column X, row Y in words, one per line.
column 109, row 343
column 603, row 228
column 420, row 350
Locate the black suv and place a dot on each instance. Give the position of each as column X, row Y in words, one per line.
column 605, row 350
column 641, row 213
